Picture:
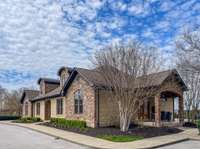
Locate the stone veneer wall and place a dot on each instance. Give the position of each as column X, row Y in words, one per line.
column 63, row 76
column 167, row 105
column 47, row 87
column 171, row 86
column 88, row 114
column 29, row 107
column 108, row 110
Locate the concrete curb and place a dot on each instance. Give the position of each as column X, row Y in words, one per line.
column 93, row 146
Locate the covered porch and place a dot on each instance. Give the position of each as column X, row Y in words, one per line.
column 164, row 109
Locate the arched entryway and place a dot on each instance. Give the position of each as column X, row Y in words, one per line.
column 165, row 107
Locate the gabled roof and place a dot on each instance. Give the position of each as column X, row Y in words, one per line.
column 30, row 94
column 94, row 78
column 51, row 94
column 49, row 80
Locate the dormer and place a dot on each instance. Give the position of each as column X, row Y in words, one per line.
column 48, row 84
column 64, row 73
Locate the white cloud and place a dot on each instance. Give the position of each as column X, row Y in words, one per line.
column 35, row 37
column 139, row 8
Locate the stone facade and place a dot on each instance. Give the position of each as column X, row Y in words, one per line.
column 98, row 107
column 26, row 100
column 63, row 76
column 108, row 110
column 173, row 87
column 47, row 87
column 88, row 114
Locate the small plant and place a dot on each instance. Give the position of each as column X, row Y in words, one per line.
column 198, row 126
column 27, row 120
column 120, row 138
column 63, row 123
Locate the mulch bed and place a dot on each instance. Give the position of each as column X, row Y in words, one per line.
column 146, row 132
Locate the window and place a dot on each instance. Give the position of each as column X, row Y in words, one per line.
column 38, row 109
column 59, row 106
column 26, row 108
column 78, row 102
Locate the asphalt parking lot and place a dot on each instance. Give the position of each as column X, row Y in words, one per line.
column 14, row 137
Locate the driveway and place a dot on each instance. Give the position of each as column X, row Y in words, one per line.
column 184, row 145
column 14, row 137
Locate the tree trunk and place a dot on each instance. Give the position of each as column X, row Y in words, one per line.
column 125, row 119
column 124, row 123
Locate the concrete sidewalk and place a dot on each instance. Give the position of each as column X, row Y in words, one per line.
column 99, row 143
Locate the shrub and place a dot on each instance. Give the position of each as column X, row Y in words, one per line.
column 2, row 118
column 190, row 125
column 28, row 120
column 63, row 123
column 198, row 126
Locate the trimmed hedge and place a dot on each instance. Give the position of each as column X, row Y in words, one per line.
column 63, row 123
column 198, row 126
column 28, row 120
column 3, row 118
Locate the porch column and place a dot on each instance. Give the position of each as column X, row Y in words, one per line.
column 181, row 110
column 145, row 110
column 157, row 111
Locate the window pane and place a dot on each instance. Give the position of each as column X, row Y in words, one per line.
column 76, row 109
column 59, row 106
column 38, row 109
column 78, row 102
column 80, row 108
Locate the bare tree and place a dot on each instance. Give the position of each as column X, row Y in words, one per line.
column 192, row 96
column 13, row 102
column 125, row 69
column 188, row 50
column 188, row 62
column 10, row 101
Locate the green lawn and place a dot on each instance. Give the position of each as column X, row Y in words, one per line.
column 120, row 138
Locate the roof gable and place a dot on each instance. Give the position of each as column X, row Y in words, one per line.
column 95, row 79
column 53, row 93
column 30, row 94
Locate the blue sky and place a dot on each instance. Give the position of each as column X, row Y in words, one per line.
column 37, row 37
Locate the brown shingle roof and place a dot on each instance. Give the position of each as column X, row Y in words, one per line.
column 30, row 94
column 96, row 79
column 53, row 93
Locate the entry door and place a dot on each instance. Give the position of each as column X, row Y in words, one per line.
column 47, row 110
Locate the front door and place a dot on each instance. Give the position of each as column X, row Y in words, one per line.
column 47, row 110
